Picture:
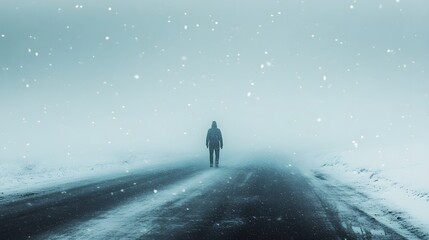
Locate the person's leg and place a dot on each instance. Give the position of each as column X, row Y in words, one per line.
column 217, row 157
column 211, row 156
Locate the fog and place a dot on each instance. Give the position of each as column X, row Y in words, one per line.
column 80, row 79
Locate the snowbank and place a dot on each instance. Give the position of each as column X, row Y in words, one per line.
column 396, row 187
column 22, row 178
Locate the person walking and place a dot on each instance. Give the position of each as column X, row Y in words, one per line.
column 214, row 143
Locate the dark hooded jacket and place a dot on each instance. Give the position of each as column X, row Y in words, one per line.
column 214, row 137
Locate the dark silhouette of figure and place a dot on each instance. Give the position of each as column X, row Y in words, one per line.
column 214, row 143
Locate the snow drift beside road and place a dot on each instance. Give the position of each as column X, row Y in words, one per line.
column 19, row 179
column 395, row 188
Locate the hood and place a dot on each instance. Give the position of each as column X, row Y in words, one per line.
column 214, row 124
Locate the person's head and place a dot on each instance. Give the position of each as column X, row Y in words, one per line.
column 214, row 124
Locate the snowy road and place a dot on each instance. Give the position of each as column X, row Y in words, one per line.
column 247, row 201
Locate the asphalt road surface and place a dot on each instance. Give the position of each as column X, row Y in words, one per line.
column 256, row 200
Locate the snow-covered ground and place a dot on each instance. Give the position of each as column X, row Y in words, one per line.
column 19, row 179
column 392, row 191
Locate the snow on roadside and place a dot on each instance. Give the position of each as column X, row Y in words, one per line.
column 19, row 179
column 398, row 195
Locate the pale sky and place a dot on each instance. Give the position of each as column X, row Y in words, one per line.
column 109, row 76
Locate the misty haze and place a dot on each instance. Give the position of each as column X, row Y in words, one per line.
column 107, row 109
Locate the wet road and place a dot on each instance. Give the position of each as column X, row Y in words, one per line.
column 245, row 201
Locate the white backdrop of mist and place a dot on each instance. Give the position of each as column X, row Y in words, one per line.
column 81, row 79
